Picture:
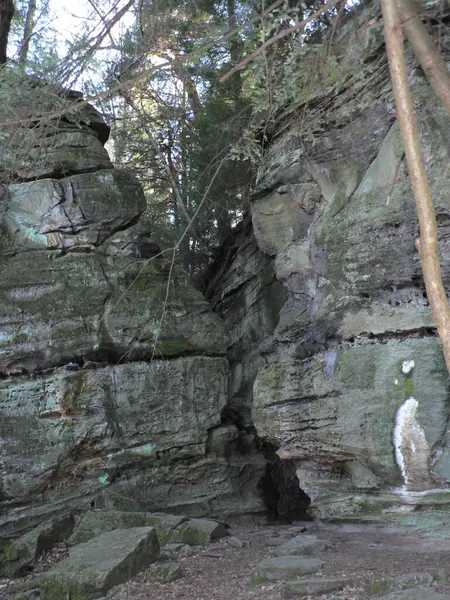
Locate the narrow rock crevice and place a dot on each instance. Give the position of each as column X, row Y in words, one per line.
column 283, row 497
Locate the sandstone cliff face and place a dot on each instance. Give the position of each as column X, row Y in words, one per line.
column 354, row 390
column 113, row 368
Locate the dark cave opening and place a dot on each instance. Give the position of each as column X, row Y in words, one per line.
column 279, row 487
column 283, row 497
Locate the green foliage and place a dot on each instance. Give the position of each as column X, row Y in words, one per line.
column 296, row 75
column 176, row 131
column 195, row 144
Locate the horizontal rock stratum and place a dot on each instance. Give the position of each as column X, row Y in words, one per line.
column 112, row 366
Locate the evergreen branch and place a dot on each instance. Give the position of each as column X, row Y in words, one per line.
column 280, row 35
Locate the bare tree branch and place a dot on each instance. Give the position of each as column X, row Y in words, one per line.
column 79, row 63
column 280, row 35
column 426, row 51
column 178, row 195
column 78, row 104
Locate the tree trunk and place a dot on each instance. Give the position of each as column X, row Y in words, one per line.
column 6, row 15
column 428, row 244
column 191, row 90
column 27, row 33
column 232, row 24
column 426, row 51
column 235, row 47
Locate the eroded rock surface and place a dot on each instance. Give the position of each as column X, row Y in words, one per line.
column 334, row 211
column 22, row 554
column 244, row 291
column 112, row 366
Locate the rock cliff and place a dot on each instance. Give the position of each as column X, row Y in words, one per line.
column 317, row 377
column 113, row 373
column 354, row 390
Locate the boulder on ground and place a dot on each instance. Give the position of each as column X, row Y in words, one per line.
column 301, row 545
column 198, row 531
column 96, row 522
column 419, row 593
column 398, row 584
column 21, row 555
column 96, row 566
column 166, row 572
column 311, row 587
column 285, row 567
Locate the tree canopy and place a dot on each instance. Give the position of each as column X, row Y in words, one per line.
column 166, row 75
column 193, row 90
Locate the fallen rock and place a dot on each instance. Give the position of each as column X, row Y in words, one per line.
column 399, row 583
column 125, row 591
column 285, row 567
column 212, row 554
column 94, row 567
column 96, row 522
column 235, row 542
column 169, row 550
column 198, row 531
column 300, row 528
column 21, row 555
column 186, row 551
column 33, row 594
column 311, row 587
column 165, row 573
column 301, row 545
column 119, row 592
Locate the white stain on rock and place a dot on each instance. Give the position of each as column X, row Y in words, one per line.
column 403, row 418
column 411, row 447
column 407, row 366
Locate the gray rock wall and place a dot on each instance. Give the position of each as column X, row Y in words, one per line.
column 354, row 390
column 113, row 373
column 245, row 292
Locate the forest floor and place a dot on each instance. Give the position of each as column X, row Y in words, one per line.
column 365, row 554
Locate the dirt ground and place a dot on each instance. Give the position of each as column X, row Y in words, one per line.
column 218, row 571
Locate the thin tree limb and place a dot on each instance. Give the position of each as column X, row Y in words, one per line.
column 426, row 51
column 95, row 45
column 78, row 104
column 27, row 33
column 428, row 245
column 114, row 44
column 178, row 195
column 281, row 34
